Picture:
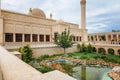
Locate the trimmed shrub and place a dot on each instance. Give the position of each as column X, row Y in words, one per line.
column 83, row 48
column 26, row 53
column 89, row 48
column 111, row 51
column 44, row 69
column 101, row 50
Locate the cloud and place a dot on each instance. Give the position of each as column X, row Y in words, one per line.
column 102, row 15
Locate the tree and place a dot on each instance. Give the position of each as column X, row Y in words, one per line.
column 64, row 40
column 26, row 53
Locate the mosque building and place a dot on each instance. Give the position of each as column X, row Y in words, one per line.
column 34, row 27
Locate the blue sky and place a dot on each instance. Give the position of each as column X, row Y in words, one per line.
column 102, row 15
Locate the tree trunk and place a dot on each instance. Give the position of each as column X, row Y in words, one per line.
column 64, row 51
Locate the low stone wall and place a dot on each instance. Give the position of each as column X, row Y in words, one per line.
column 52, row 50
column 12, row 68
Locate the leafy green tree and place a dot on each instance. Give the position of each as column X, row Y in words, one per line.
column 64, row 40
column 26, row 53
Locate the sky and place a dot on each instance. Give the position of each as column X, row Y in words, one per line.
column 101, row 15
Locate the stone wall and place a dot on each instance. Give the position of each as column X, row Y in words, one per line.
column 12, row 68
column 15, row 69
column 52, row 50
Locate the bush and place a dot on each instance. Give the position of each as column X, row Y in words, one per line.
column 79, row 47
column 101, row 50
column 45, row 69
column 89, row 48
column 111, row 51
column 83, row 48
column 26, row 53
column 43, row 57
column 67, row 67
column 94, row 49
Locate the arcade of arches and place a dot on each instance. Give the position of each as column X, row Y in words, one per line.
column 106, row 41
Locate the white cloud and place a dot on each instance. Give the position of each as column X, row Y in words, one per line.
column 69, row 10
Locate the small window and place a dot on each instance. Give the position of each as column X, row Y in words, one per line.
column 41, row 38
column 47, row 38
column 80, row 38
column 77, row 38
column 27, row 37
column 34, row 37
column 18, row 37
column 73, row 38
column 8, row 37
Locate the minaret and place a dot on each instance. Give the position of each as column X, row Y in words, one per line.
column 0, row 7
column 83, row 21
column 83, row 14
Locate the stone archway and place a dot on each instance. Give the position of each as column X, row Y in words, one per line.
column 101, row 51
column 94, row 49
column 111, row 51
column 118, row 52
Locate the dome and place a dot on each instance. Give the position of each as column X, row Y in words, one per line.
column 60, row 21
column 38, row 12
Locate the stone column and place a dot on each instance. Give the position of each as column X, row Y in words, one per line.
column 1, row 31
column 14, row 38
column 94, row 38
column 106, row 36
column 31, row 39
column 97, row 37
column 38, row 38
column 44, row 38
column 111, row 36
column 0, row 7
column 23, row 38
column 117, row 35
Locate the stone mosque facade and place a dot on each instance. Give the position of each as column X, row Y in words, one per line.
column 35, row 28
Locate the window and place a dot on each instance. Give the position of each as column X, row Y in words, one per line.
column 47, row 38
column 80, row 38
column 18, row 37
column 73, row 38
column 41, row 38
column 8, row 37
column 77, row 38
column 27, row 37
column 34, row 37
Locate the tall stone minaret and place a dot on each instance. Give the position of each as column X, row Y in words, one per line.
column 1, row 26
column 83, row 14
column 83, row 21
column 0, row 7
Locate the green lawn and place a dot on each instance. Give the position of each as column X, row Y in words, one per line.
column 86, row 56
column 94, row 56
